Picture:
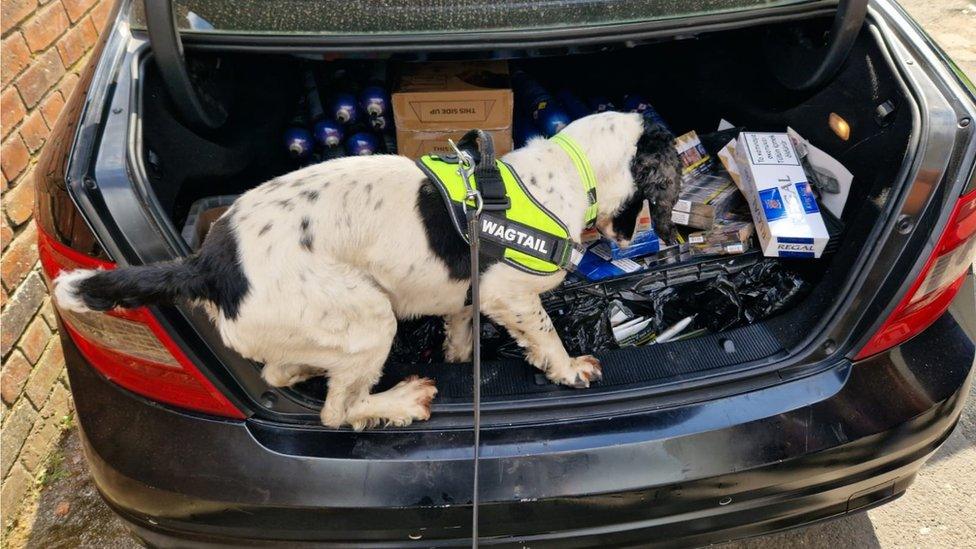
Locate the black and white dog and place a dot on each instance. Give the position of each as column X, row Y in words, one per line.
column 309, row 272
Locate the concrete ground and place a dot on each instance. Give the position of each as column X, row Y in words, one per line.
column 937, row 512
column 951, row 24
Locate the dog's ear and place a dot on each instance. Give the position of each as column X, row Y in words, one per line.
column 656, row 169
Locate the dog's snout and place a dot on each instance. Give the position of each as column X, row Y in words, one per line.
column 604, row 225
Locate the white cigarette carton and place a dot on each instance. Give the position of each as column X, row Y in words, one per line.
column 782, row 203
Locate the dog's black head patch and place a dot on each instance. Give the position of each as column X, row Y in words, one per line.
column 656, row 169
column 624, row 222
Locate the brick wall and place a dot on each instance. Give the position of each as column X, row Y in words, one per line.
column 44, row 47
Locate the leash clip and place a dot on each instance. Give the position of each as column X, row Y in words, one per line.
column 465, row 169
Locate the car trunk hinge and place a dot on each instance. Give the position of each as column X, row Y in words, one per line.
column 197, row 109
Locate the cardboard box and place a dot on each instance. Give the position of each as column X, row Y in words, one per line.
column 202, row 215
column 784, row 208
column 414, row 144
column 207, row 219
column 434, row 101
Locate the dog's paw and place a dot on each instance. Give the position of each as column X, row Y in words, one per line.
column 580, row 373
column 286, row 375
column 455, row 353
column 333, row 416
column 415, row 393
column 406, row 402
column 457, row 343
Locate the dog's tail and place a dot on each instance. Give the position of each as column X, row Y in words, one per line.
column 84, row 290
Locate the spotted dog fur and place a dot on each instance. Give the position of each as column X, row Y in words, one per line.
column 309, row 272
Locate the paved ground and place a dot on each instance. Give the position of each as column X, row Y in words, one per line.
column 937, row 512
column 951, row 24
column 68, row 513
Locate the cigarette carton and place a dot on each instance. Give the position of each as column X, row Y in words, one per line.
column 726, row 237
column 695, row 221
column 784, row 208
column 644, row 243
column 694, row 157
column 705, row 199
column 598, row 264
column 644, row 224
column 604, row 259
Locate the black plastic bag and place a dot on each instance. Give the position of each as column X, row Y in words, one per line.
column 581, row 320
column 496, row 343
column 726, row 302
column 718, row 304
column 581, row 316
column 419, row 341
column 767, row 288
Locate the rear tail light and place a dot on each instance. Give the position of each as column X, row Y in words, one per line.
column 130, row 347
column 940, row 280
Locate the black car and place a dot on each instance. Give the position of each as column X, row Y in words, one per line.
column 825, row 409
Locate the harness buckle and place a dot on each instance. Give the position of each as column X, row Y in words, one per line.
column 497, row 205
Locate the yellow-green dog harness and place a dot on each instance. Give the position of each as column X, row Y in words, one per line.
column 514, row 225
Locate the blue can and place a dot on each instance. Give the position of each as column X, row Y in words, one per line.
column 327, row 133
column 361, row 144
column 534, row 100
column 601, row 103
column 332, row 152
column 378, row 122
column 552, row 119
column 634, row 102
column 574, row 106
column 373, row 100
column 344, row 109
column 524, row 130
column 298, row 142
column 651, row 113
column 530, row 95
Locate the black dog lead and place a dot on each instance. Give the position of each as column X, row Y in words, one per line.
column 492, row 196
column 485, row 192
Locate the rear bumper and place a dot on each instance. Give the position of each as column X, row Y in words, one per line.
column 804, row 450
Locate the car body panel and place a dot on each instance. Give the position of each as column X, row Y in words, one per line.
column 734, row 466
column 117, row 197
